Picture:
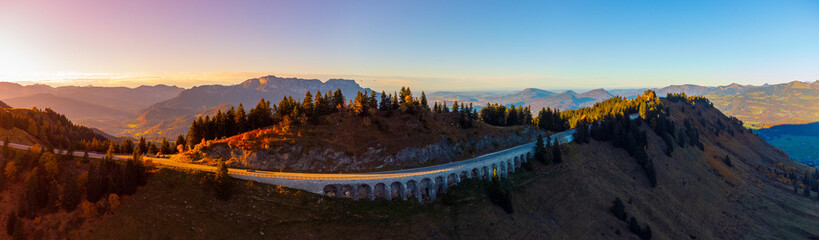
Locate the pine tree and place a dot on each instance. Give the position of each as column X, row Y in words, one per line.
column 229, row 123
column 30, row 200
column 307, row 103
column 222, row 182
column 109, row 155
column 424, row 103
column 127, row 146
column 455, row 106
column 512, row 118
column 71, row 193
column 85, row 157
column 180, row 140
column 6, row 148
column 240, row 121
column 383, row 105
column 338, row 100
column 165, row 147
column 395, row 104
column 372, row 103
column 540, row 151
column 556, row 154
column 142, row 146
column 260, row 116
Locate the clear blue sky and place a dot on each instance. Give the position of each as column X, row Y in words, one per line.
column 433, row 45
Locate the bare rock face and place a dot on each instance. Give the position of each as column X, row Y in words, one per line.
column 300, row 158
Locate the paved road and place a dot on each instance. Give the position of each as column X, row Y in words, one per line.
column 561, row 138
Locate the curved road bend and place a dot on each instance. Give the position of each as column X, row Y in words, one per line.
column 315, row 181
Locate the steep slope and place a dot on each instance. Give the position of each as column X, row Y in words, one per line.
column 4, row 105
column 202, row 98
column 48, row 128
column 698, row 196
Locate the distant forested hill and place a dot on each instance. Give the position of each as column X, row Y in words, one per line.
column 51, row 129
column 771, row 105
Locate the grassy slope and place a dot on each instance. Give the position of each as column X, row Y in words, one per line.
column 18, row 136
column 697, row 196
column 791, row 103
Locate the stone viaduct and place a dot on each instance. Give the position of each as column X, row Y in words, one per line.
column 418, row 183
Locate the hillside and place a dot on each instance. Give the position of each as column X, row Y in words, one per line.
column 199, row 99
column 4, row 105
column 107, row 108
column 771, row 105
column 344, row 142
column 73, row 109
column 698, row 196
column 49, row 128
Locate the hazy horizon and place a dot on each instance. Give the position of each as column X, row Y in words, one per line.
column 362, row 83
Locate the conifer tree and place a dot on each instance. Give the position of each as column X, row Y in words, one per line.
column 540, row 150
column 338, row 100
column 142, row 146
column 180, row 140
column 319, row 104
column 307, row 103
column 556, row 154
column 127, row 146
column 395, row 103
column 6, row 148
column 424, row 103
column 221, row 182
column 165, row 147
column 240, row 121
column 383, row 105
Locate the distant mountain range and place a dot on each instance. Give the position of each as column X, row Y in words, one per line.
column 771, row 105
column 105, row 108
column 536, row 98
column 173, row 116
column 166, row 111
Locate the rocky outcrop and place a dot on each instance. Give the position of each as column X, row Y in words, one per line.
column 296, row 157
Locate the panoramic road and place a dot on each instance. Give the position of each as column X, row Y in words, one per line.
column 560, row 138
column 563, row 137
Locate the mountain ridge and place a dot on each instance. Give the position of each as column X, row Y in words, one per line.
column 197, row 100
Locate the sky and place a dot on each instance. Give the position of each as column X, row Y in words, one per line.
column 431, row 45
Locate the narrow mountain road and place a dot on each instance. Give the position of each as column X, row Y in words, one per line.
column 270, row 176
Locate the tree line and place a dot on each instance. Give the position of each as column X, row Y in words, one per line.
column 312, row 107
